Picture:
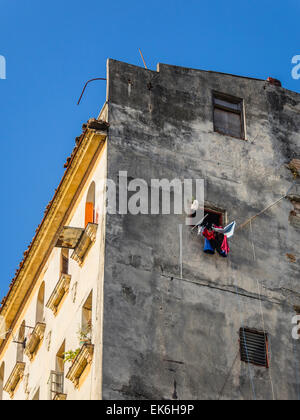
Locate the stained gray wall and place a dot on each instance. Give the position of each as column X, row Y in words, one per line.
column 162, row 332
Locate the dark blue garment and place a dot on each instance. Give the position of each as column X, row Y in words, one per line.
column 208, row 249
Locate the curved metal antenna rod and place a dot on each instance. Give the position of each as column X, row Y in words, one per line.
column 91, row 80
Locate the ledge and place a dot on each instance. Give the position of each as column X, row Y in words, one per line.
column 87, row 239
column 15, row 377
column 34, row 340
column 60, row 397
column 60, row 290
column 83, row 359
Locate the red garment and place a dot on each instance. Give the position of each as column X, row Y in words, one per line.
column 208, row 234
column 211, row 235
column 225, row 246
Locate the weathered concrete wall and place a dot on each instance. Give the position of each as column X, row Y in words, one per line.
column 158, row 328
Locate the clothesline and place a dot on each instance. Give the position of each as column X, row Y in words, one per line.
column 261, row 212
column 266, row 209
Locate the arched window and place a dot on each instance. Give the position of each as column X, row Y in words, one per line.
column 90, row 205
column 40, row 304
column 1, row 381
column 21, row 343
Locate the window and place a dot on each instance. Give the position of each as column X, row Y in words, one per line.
column 86, row 319
column 59, row 363
column 40, row 304
column 64, row 261
column 56, row 379
column 214, row 217
column 229, row 115
column 90, row 205
column 1, row 380
column 254, row 347
column 21, row 343
column 36, row 395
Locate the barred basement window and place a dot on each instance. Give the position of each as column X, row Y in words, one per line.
column 254, row 347
column 229, row 115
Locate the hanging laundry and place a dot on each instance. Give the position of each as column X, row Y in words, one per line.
column 216, row 237
column 227, row 231
column 195, row 205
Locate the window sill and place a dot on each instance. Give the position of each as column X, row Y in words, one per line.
column 228, row 135
column 80, row 364
column 35, row 340
column 60, row 397
column 87, row 239
column 59, row 293
column 15, row 378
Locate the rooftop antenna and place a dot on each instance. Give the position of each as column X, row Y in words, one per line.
column 143, row 59
column 91, row 80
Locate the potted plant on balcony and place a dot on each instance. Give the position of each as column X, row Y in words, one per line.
column 70, row 356
column 85, row 334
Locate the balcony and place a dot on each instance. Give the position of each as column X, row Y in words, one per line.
column 80, row 240
column 34, row 340
column 82, row 361
column 15, row 377
column 60, row 291
column 56, row 386
column 87, row 239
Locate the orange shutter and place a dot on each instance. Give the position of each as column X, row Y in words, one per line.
column 89, row 213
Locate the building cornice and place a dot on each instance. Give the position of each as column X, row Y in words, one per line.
column 90, row 143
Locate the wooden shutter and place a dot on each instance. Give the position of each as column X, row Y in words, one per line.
column 254, row 347
column 89, row 213
column 227, row 122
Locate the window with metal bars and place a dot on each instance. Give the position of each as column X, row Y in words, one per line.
column 229, row 115
column 56, row 384
column 254, row 347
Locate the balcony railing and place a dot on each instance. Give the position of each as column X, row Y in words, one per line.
column 56, row 386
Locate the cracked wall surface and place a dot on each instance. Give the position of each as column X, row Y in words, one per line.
column 168, row 337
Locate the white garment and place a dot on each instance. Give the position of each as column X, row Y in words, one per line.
column 195, row 205
column 228, row 230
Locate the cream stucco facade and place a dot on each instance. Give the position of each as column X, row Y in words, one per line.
column 57, row 304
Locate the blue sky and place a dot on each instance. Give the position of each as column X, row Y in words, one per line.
column 52, row 48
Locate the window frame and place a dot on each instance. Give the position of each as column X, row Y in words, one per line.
column 241, row 112
column 266, row 339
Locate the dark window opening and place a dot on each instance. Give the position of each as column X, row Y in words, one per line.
column 254, row 347
column 213, row 217
column 64, row 262
column 228, row 115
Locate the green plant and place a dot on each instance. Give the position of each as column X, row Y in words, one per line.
column 70, row 356
column 85, row 333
